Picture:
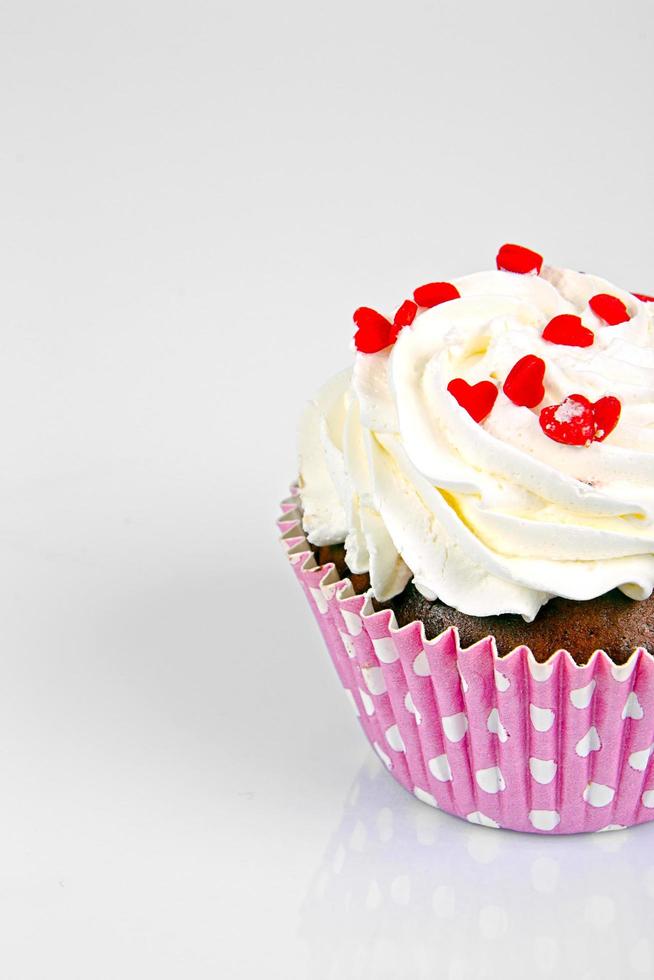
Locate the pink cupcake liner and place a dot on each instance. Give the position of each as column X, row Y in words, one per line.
column 500, row 741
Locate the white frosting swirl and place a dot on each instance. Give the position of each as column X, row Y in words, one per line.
column 497, row 517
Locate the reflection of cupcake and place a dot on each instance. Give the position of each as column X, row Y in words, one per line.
column 402, row 891
column 476, row 498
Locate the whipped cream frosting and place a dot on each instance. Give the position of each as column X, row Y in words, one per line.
column 494, row 517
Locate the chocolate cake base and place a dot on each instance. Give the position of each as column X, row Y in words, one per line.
column 611, row 622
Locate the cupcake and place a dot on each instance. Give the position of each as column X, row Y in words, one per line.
column 473, row 528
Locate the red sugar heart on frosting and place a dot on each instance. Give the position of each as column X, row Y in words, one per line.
column 435, row 293
column 517, row 258
column 577, row 421
column 606, row 412
column 568, row 330
column 374, row 330
column 477, row 400
column 403, row 318
column 609, row 308
column 571, row 423
column 406, row 314
column 643, row 297
column 524, row 384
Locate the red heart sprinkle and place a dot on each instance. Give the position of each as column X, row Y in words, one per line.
column 582, row 400
column 643, row 297
column 403, row 318
column 606, row 412
column 524, row 384
column 477, row 400
column 435, row 293
column 571, row 423
column 568, row 330
column 609, row 308
column 373, row 333
column 517, row 258
column 405, row 315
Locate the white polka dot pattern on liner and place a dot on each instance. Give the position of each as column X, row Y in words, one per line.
column 502, row 682
column 623, row 672
column 472, row 712
column 632, row 708
column 478, row 817
column 490, row 780
column 411, row 708
column 582, row 696
column 544, row 819
column 540, row 672
column 541, row 718
column 352, row 622
column 368, row 703
column 320, row 601
column 394, row 738
column 374, row 678
column 455, row 726
column 542, row 770
column 382, row 755
column 598, row 795
column 440, row 768
column 385, row 650
column 590, row 742
column 495, row 726
column 422, row 794
column 639, row 760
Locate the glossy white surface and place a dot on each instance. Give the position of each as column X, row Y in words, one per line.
column 194, row 198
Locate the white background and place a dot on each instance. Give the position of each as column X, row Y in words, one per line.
column 193, row 199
